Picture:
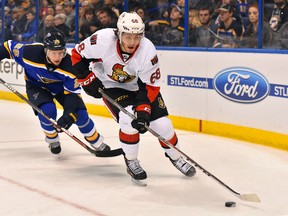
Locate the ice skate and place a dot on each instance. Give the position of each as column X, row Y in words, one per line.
column 136, row 172
column 183, row 166
column 100, row 145
column 55, row 147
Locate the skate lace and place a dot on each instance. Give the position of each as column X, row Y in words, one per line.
column 135, row 167
column 182, row 165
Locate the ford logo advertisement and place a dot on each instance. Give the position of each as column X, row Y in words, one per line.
column 242, row 85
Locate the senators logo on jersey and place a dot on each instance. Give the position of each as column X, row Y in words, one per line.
column 119, row 75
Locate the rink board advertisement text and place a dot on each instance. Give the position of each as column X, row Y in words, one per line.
column 242, row 89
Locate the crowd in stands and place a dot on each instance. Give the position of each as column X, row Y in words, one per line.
column 211, row 23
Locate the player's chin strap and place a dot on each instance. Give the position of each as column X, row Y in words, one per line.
column 111, row 153
column 245, row 197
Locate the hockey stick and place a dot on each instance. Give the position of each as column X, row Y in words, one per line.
column 245, row 197
column 111, row 153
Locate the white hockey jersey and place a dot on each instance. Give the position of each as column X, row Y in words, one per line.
column 112, row 68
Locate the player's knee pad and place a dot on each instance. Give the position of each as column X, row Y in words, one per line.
column 49, row 109
column 125, row 122
column 163, row 126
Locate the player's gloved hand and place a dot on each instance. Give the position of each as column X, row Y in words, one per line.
column 91, row 84
column 66, row 120
column 142, row 118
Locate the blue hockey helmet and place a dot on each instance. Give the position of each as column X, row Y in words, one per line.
column 54, row 41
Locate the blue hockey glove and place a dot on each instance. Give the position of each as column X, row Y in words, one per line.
column 66, row 120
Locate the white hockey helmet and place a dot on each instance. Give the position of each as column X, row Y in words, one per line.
column 130, row 23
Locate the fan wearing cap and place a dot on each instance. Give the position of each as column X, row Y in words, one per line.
column 229, row 32
column 125, row 65
column 173, row 34
column 48, row 75
column 168, row 32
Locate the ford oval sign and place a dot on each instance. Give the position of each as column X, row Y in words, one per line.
column 243, row 85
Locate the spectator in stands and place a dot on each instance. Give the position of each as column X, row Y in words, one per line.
column 106, row 19
column 281, row 37
column 229, row 32
column 114, row 6
column 141, row 11
column 89, row 25
column 11, row 4
column 205, row 34
column 156, row 29
column 60, row 24
column 59, row 8
column 243, row 8
column 7, row 32
column 279, row 14
column 194, row 22
column 43, row 8
column 30, row 29
column 86, row 5
column 19, row 24
column 150, row 7
column 7, row 17
column 48, row 27
column 191, row 4
column 50, row 10
column 81, row 16
column 27, row 4
column 14, row 28
column 96, row 4
column 162, row 9
column 173, row 34
column 250, row 37
column 275, row 23
column 70, row 13
column 236, row 14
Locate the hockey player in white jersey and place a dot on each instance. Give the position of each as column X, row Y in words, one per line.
column 125, row 65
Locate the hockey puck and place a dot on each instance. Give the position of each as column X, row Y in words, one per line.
column 230, row 204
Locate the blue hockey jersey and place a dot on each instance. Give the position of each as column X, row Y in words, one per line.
column 38, row 71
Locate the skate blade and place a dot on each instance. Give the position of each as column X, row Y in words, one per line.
column 139, row 182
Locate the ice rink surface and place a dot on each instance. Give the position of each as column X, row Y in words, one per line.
column 34, row 182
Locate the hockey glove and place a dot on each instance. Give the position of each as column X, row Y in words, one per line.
column 66, row 120
column 91, row 84
column 142, row 118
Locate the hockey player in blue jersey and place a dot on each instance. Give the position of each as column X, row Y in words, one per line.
column 49, row 76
